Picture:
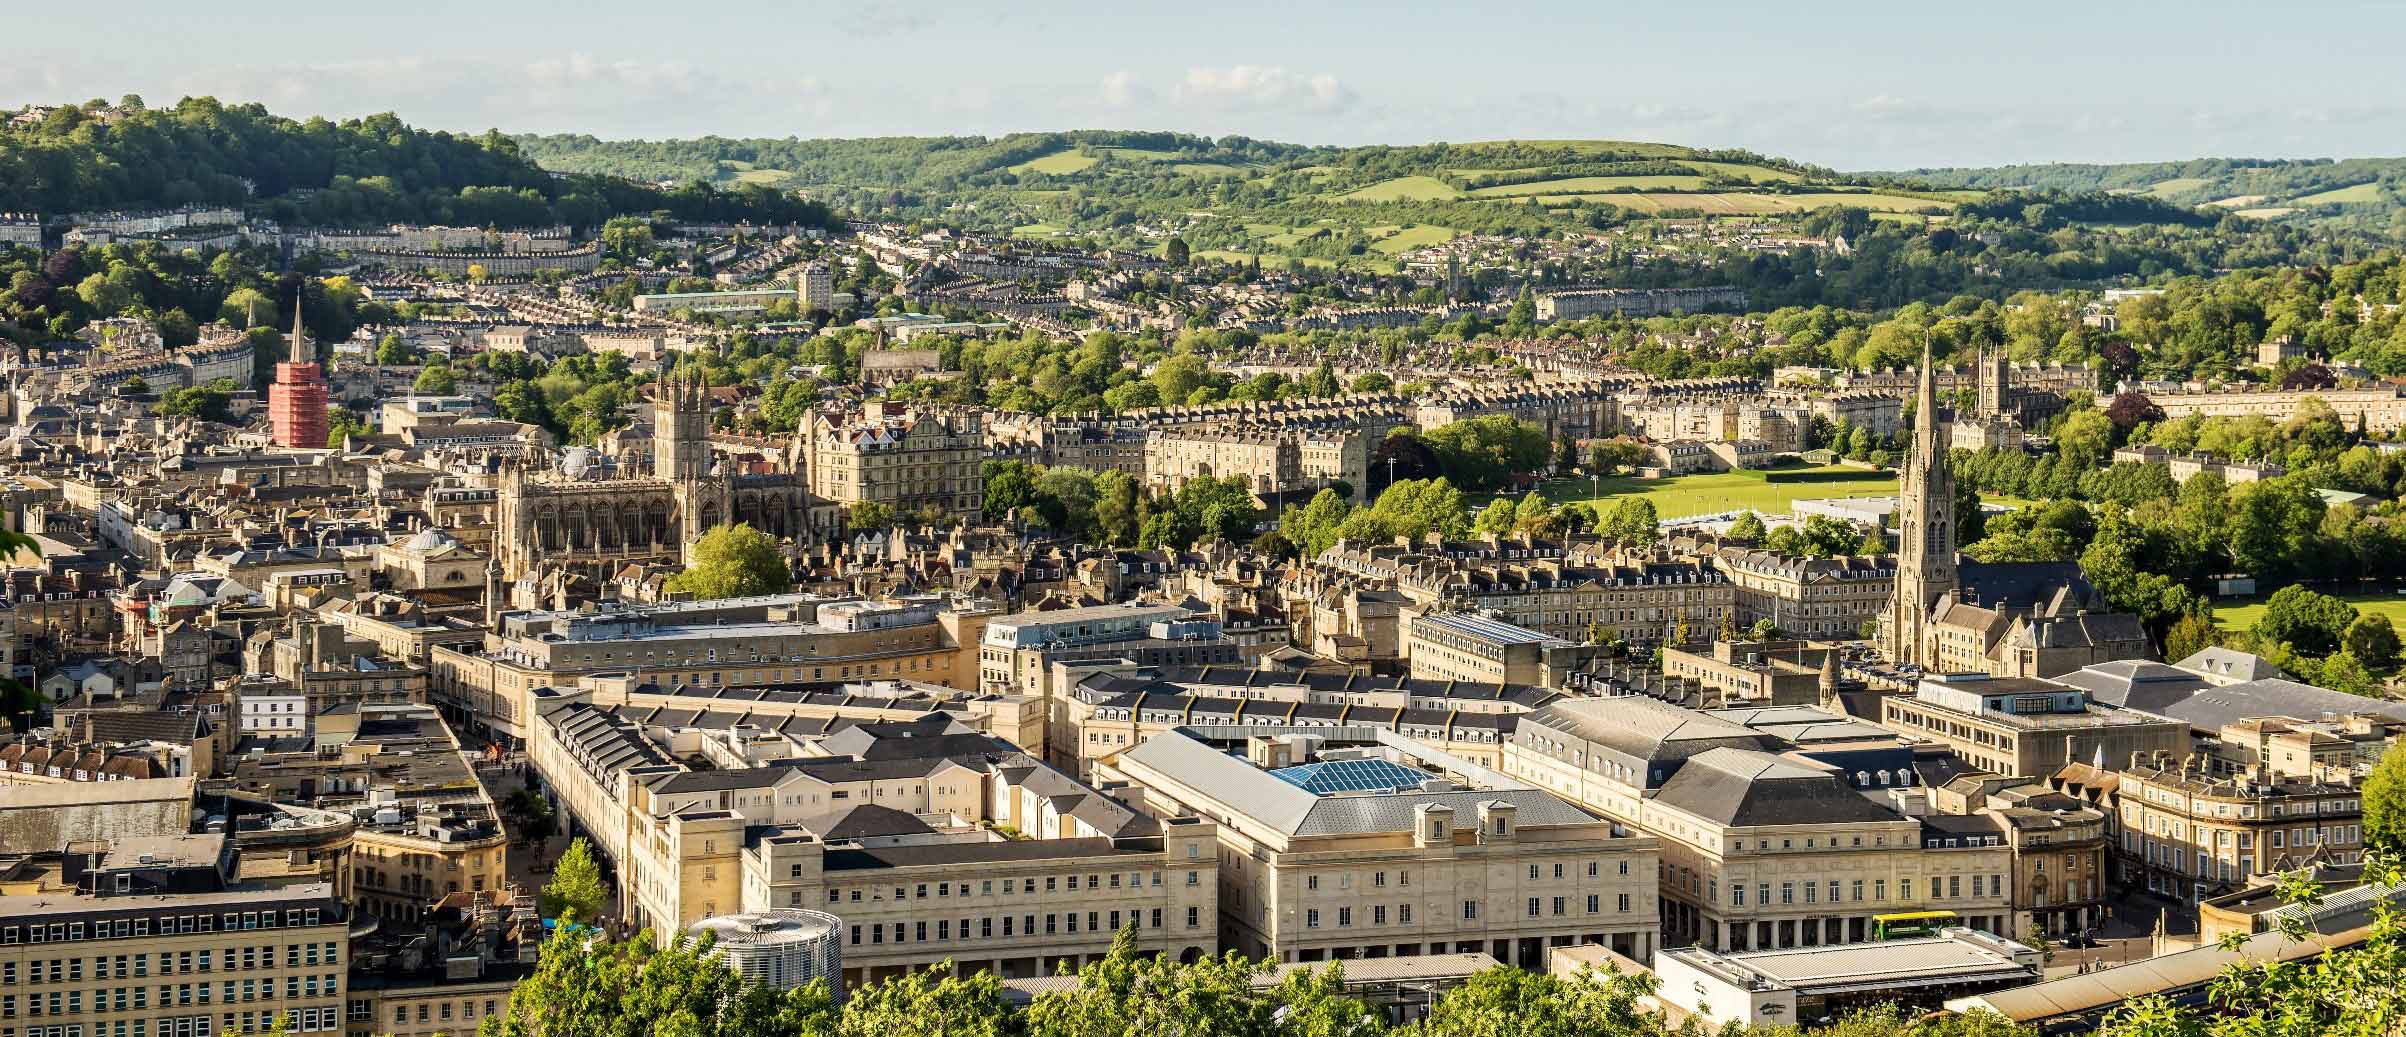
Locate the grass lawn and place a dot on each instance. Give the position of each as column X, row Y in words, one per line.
column 1035, row 230
column 1059, row 163
column 2361, row 194
column 1403, row 189
column 1139, row 154
column 2168, row 188
column 2242, row 613
column 1769, row 492
column 1409, row 238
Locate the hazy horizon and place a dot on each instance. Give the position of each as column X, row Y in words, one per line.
column 1880, row 86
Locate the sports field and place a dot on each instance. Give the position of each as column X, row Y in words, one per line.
column 1705, row 493
column 2242, row 613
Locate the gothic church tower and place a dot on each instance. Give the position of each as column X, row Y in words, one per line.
column 1925, row 513
column 681, row 457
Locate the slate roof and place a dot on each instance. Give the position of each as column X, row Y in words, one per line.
column 2211, row 708
column 1290, row 809
column 2135, row 683
column 1647, row 728
column 1742, row 787
column 865, row 820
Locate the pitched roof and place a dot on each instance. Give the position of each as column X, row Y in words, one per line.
column 1742, row 787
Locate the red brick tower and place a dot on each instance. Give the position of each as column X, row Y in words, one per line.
column 296, row 403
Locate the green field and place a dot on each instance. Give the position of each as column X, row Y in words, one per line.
column 2176, row 185
column 2242, row 613
column 1757, row 174
column 1059, row 163
column 1403, row 189
column 1139, row 154
column 1036, row 230
column 1208, row 169
column 2361, row 194
column 1405, row 239
column 771, row 177
column 1769, row 492
column 1577, row 184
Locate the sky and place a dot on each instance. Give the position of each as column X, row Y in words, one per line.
column 1851, row 85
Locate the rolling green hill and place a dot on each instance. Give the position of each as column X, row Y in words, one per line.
column 2358, row 193
column 1242, row 196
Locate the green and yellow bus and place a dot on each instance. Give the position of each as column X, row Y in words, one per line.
column 1908, row 924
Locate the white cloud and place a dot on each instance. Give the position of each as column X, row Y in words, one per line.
column 1121, row 90
column 1262, row 88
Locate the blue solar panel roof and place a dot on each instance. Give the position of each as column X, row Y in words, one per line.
column 1321, row 779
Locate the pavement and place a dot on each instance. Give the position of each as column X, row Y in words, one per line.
column 2127, row 935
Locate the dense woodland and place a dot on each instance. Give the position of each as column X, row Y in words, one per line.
column 317, row 172
column 2318, row 189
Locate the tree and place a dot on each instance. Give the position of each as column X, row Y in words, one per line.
column 2036, row 939
column 734, row 562
column 1765, row 630
column 1176, row 251
column 1748, row 527
column 2384, row 805
column 1534, row 517
column 576, row 891
column 1132, row 993
column 2191, row 634
column 531, row 815
column 1496, row 518
column 2342, row 671
column 1631, row 523
column 871, row 515
column 2273, row 525
column 2372, row 641
column 1482, row 453
column 341, row 424
column 1321, row 382
column 1508, row 1002
column 2308, row 621
column 392, row 350
column 1010, row 486
column 436, row 380
column 928, row 1003
column 2084, row 440
column 583, row 985
column 211, row 402
column 1372, row 382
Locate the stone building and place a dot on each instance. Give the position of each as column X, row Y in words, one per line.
column 571, row 519
column 904, row 458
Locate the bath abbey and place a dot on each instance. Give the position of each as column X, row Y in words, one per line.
column 591, row 516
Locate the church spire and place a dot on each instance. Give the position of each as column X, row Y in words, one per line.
column 299, row 351
column 1925, row 403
